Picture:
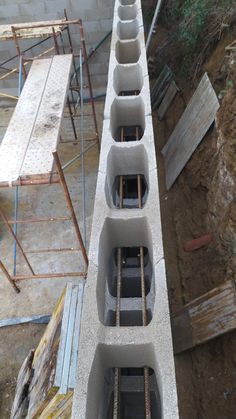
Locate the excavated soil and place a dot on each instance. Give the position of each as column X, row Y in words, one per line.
column 203, row 200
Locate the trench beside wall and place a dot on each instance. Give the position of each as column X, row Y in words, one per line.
column 127, row 150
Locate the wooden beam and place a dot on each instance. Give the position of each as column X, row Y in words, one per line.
column 205, row 318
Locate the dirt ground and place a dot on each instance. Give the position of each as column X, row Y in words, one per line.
column 199, row 203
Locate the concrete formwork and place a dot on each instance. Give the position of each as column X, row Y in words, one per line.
column 103, row 346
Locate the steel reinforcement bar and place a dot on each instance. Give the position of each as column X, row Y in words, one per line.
column 125, row 362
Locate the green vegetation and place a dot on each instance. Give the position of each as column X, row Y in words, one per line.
column 198, row 23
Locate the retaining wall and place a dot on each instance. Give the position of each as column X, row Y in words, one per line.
column 103, row 346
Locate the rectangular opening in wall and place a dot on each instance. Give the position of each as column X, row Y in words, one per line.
column 126, row 278
column 128, row 30
column 128, row 80
column 129, row 282
column 128, row 52
column 129, row 133
column 129, row 191
column 132, row 394
column 128, row 12
column 127, row 120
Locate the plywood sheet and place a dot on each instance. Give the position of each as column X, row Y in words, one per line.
column 205, row 318
column 33, row 132
column 30, row 33
column 190, row 130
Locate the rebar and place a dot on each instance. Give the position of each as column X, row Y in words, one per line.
column 117, row 373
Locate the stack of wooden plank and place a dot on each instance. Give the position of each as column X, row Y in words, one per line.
column 47, row 377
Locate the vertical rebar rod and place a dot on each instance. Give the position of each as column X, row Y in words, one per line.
column 117, row 376
column 70, row 205
column 18, row 50
column 71, row 48
column 81, row 29
column 4, row 217
column 82, row 143
column 68, row 100
column 9, row 278
column 147, row 401
column 64, row 52
column 17, row 188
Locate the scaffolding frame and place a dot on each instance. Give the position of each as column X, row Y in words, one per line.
column 55, row 177
column 55, row 31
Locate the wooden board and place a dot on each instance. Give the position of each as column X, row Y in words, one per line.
column 39, row 319
column 30, row 33
column 160, row 86
column 205, row 318
column 33, row 132
column 167, row 100
column 59, row 407
column 190, row 130
column 19, row 406
column 41, row 389
column 67, row 358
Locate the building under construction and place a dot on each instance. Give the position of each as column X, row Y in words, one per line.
column 84, row 270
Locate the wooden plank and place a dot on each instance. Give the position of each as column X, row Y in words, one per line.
column 167, row 100
column 41, row 389
column 76, row 336
column 30, row 33
column 160, row 86
column 190, row 130
column 45, row 135
column 15, row 142
column 19, row 406
column 62, row 345
column 69, row 338
column 59, row 407
column 205, row 318
column 40, row 319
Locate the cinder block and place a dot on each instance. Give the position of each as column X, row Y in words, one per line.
column 7, row 11
column 34, row 9
column 114, row 333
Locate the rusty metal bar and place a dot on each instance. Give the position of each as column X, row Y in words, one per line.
column 147, row 401
column 81, row 29
column 39, row 220
column 49, row 24
column 16, row 239
column 18, row 50
column 55, row 41
column 117, row 375
column 70, row 205
column 9, row 278
column 71, row 46
column 55, row 250
column 48, row 276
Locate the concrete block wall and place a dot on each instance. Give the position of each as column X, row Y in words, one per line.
column 104, row 346
column 96, row 15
